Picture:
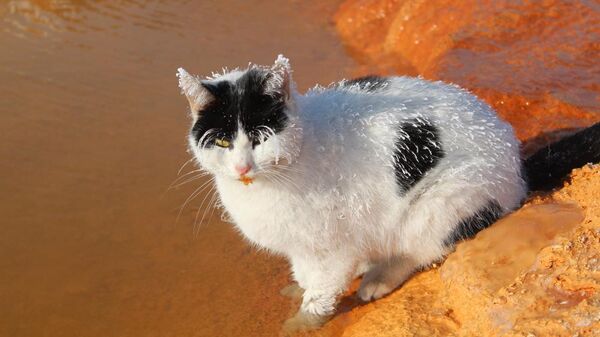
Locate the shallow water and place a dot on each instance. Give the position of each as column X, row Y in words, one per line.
column 92, row 132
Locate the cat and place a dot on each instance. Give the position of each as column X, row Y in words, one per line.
column 376, row 175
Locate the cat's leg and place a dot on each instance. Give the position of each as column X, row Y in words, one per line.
column 431, row 220
column 324, row 280
column 386, row 276
column 423, row 234
column 300, row 272
column 362, row 268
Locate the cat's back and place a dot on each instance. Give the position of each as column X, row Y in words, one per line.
column 396, row 97
column 372, row 126
column 373, row 110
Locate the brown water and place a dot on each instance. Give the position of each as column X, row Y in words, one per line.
column 92, row 132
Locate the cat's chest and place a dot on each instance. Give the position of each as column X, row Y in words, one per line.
column 264, row 215
column 254, row 203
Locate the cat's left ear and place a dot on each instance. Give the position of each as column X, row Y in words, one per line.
column 281, row 80
column 194, row 90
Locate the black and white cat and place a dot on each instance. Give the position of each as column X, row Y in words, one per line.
column 382, row 175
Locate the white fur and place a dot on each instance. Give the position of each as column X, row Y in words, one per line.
column 333, row 203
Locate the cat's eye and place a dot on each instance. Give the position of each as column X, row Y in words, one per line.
column 222, row 142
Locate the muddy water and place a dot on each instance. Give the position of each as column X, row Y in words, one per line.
column 92, row 132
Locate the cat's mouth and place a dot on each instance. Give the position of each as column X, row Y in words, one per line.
column 246, row 180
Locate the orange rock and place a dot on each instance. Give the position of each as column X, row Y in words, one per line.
column 475, row 274
column 535, row 62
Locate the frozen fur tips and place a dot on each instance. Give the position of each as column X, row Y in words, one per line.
column 383, row 174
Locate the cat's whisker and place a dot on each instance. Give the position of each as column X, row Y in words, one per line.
column 185, row 182
column 188, row 173
column 277, row 180
column 179, row 183
column 212, row 193
column 196, row 192
column 217, row 204
column 269, row 178
column 194, row 195
column 290, row 181
column 207, row 197
column 288, row 168
column 285, row 180
column 184, row 165
column 212, row 206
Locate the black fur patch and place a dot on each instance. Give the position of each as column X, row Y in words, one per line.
column 418, row 150
column 369, row 83
column 244, row 101
column 470, row 226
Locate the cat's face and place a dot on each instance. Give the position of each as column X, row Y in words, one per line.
column 243, row 121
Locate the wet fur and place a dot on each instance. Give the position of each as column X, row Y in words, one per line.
column 381, row 172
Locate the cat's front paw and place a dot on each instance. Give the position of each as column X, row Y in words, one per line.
column 371, row 290
column 303, row 321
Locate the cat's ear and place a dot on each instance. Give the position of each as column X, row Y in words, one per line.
column 197, row 92
column 281, row 77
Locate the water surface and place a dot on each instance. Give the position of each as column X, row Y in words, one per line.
column 92, row 132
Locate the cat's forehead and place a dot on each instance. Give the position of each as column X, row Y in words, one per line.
column 243, row 100
column 235, row 75
column 230, row 76
column 239, row 86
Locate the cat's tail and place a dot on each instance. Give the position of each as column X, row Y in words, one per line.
column 547, row 168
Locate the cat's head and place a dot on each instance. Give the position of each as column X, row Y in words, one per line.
column 245, row 124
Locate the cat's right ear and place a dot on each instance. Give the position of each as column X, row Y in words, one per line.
column 197, row 92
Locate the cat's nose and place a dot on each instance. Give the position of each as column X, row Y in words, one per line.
column 243, row 169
